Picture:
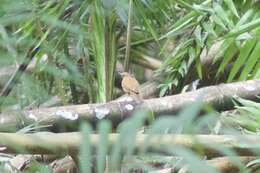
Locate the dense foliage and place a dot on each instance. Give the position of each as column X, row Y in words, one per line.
column 81, row 45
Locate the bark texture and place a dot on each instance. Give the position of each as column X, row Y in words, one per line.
column 220, row 97
column 68, row 143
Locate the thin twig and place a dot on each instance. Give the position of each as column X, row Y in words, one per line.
column 128, row 38
column 18, row 73
column 107, row 58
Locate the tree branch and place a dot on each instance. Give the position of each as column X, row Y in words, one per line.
column 220, row 97
column 62, row 143
column 145, row 61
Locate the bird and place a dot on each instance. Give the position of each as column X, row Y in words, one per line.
column 129, row 84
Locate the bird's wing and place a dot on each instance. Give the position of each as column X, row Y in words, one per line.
column 135, row 86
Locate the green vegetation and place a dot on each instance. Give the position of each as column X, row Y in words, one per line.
column 69, row 53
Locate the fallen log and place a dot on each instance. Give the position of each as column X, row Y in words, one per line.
column 225, row 164
column 69, row 143
column 220, row 97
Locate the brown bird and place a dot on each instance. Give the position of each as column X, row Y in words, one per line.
column 129, row 84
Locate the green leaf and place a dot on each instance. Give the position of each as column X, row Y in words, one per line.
column 163, row 90
column 228, row 48
column 232, row 7
column 244, row 53
column 198, row 36
column 246, row 17
column 243, row 28
column 251, row 62
column 104, row 128
column 109, row 4
column 180, row 24
column 219, row 22
column 221, row 13
column 257, row 74
column 85, row 158
column 208, row 26
column 138, row 7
